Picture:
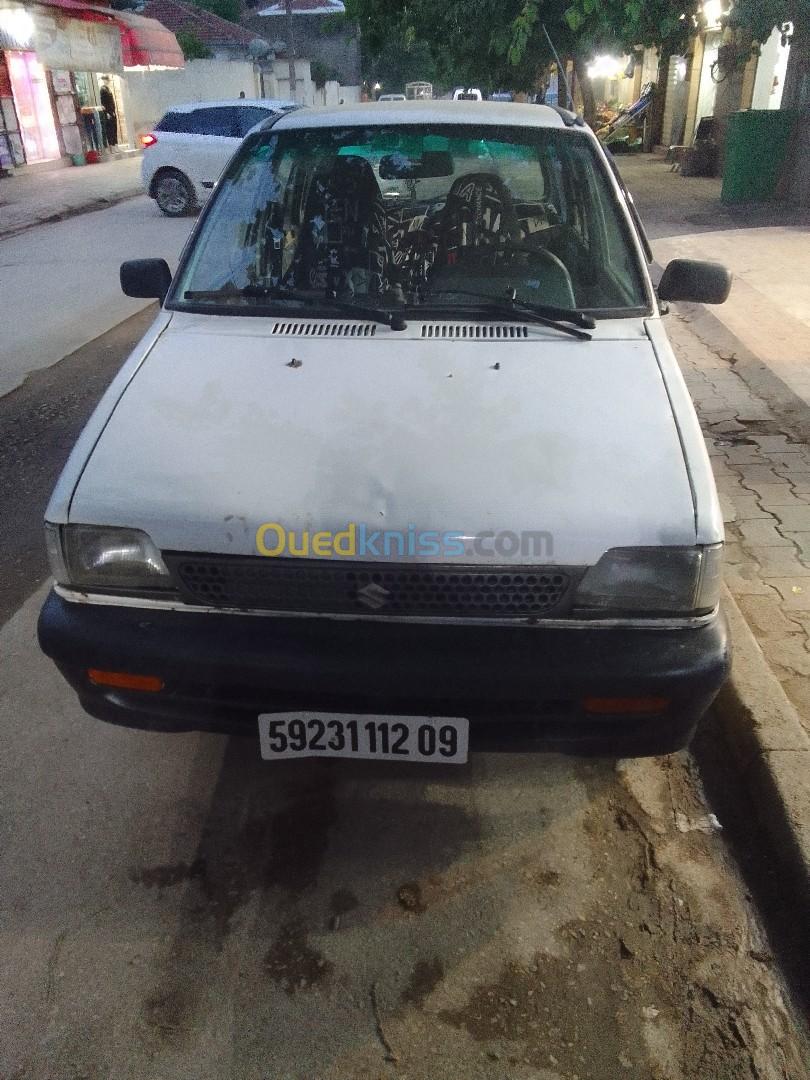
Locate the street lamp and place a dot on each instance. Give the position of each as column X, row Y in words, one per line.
column 713, row 13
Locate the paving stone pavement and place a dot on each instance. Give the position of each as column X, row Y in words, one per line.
column 763, row 478
column 29, row 199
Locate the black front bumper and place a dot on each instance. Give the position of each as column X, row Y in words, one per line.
column 521, row 687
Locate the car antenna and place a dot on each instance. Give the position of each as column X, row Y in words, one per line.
column 560, row 68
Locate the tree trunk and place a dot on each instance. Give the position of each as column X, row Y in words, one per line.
column 563, row 96
column 291, row 48
column 656, row 121
column 586, row 89
column 796, row 94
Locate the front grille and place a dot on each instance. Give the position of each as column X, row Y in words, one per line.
column 304, row 585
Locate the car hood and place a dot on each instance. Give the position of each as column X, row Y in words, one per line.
column 233, row 422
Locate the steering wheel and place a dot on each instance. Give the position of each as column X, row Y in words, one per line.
column 497, row 260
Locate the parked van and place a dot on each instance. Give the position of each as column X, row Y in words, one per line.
column 465, row 94
column 400, row 477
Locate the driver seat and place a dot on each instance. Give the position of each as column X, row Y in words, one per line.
column 479, row 212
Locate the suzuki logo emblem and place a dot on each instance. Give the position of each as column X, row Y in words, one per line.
column 373, row 596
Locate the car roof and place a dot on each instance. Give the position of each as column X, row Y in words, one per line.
column 261, row 103
column 425, row 112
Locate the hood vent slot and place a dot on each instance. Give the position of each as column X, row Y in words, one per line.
column 324, row 329
column 476, row 331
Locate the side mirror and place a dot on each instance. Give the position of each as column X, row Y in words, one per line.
column 146, row 278
column 695, row 282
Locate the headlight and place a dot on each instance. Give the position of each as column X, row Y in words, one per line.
column 653, row 581
column 101, row 557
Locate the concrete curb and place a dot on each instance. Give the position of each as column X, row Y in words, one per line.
column 100, row 203
column 769, row 749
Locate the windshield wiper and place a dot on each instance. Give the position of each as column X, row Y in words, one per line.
column 545, row 314
column 279, row 292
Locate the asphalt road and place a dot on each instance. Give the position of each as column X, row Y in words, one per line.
column 59, row 282
column 173, row 907
column 62, row 306
column 39, row 423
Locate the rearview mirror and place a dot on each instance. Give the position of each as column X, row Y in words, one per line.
column 695, row 282
column 400, row 166
column 146, row 278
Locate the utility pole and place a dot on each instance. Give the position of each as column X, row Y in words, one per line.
column 291, row 48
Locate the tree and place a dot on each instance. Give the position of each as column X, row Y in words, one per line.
column 226, row 9
column 193, row 48
column 667, row 25
column 487, row 43
column 504, row 43
column 759, row 17
column 754, row 20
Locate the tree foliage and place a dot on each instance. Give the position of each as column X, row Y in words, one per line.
column 226, row 9
column 492, row 43
column 485, row 43
column 664, row 24
column 193, row 48
column 759, row 17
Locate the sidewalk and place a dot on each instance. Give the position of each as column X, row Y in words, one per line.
column 28, row 199
column 747, row 365
column 761, row 460
column 763, row 478
column 766, row 323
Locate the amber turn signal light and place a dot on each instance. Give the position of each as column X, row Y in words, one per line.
column 122, row 680
column 610, row 706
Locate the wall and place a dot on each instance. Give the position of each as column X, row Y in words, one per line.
column 771, row 69
column 276, row 78
column 333, row 94
column 148, row 94
column 677, row 94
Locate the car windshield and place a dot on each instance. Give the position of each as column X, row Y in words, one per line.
column 406, row 215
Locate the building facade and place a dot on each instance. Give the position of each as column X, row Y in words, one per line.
column 61, row 68
column 717, row 76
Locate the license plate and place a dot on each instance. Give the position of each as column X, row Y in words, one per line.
column 441, row 740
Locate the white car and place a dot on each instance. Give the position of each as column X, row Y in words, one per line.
column 392, row 97
column 403, row 477
column 465, row 93
column 187, row 150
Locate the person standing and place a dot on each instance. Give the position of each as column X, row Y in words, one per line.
column 110, row 116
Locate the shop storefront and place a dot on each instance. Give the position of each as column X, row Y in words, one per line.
column 32, row 103
column 61, row 62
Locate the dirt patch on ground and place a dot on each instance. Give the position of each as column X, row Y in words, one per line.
column 662, row 981
column 426, row 976
column 292, row 962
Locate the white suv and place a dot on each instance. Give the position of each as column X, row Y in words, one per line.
column 186, row 152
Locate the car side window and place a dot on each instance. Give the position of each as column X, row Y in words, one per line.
column 218, row 120
column 174, row 121
column 249, row 116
